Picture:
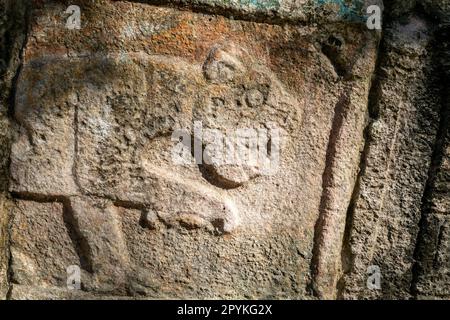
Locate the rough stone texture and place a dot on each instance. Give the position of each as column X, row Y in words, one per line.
column 98, row 224
column 398, row 218
column 41, row 244
column 436, row 9
column 3, row 173
column 304, row 11
column 433, row 247
column 387, row 208
column 19, row 292
column 439, row 9
column 3, row 247
column 12, row 36
column 95, row 113
column 363, row 177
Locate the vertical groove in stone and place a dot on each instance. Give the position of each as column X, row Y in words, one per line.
column 325, row 215
column 432, row 262
column 387, row 202
column 345, row 144
column 347, row 259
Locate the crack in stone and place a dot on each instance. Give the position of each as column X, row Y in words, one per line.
column 340, row 112
column 373, row 98
column 436, row 162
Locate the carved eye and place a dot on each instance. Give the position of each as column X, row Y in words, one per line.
column 255, row 98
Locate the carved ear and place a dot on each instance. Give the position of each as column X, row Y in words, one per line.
column 223, row 64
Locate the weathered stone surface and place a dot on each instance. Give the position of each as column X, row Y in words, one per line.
column 12, row 35
column 43, row 153
column 291, row 10
column 4, row 151
column 3, row 246
column 432, row 269
column 179, row 262
column 434, row 277
column 43, row 245
column 97, row 112
column 19, row 292
column 95, row 131
column 387, row 205
column 437, row 9
column 98, row 225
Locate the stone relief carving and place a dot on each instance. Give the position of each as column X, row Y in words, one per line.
column 93, row 182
